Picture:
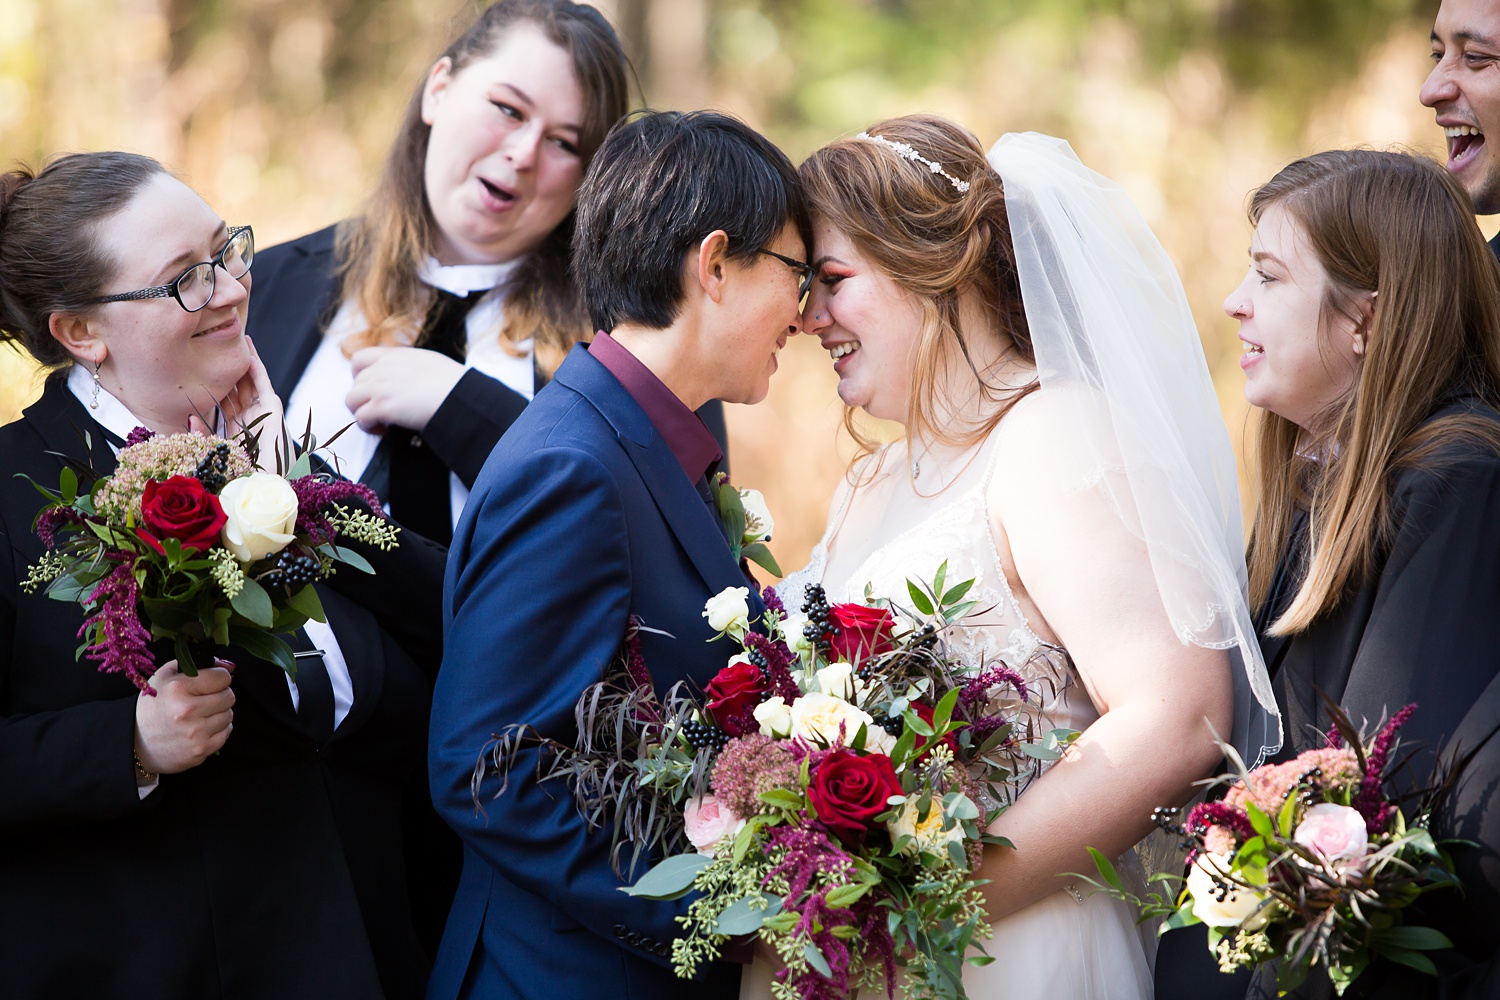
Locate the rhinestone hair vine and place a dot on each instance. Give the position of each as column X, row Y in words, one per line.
column 904, row 151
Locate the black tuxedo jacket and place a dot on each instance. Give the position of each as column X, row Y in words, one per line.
column 1424, row 629
column 296, row 296
column 273, row 870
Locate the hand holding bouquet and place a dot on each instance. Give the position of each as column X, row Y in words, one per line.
column 188, row 541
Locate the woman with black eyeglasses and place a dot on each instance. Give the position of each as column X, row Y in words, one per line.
column 234, row 834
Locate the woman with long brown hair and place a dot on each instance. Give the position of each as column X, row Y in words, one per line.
column 1370, row 316
column 1063, row 449
column 431, row 317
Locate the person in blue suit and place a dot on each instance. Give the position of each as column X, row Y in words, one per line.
column 593, row 509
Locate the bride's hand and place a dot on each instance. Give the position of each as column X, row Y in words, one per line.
column 252, row 399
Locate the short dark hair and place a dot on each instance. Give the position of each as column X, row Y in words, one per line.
column 50, row 257
column 661, row 182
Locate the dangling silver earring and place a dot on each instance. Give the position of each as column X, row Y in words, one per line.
column 94, row 400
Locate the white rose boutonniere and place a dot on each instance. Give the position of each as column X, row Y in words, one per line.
column 729, row 610
column 262, row 512
column 747, row 523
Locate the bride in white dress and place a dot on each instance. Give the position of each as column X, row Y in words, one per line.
column 1063, row 447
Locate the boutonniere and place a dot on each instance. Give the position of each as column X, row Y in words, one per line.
column 747, row 522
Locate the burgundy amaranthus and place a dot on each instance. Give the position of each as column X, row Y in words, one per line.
column 772, row 601
column 1370, row 801
column 125, row 641
column 315, row 494
column 976, row 690
column 778, row 666
column 137, row 435
column 1205, row 816
column 806, row 853
column 52, row 520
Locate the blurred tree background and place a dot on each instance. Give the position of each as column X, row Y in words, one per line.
column 279, row 112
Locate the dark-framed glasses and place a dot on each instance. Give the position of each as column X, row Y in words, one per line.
column 801, row 266
column 194, row 288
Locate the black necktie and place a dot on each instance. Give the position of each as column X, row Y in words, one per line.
column 314, row 689
column 419, row 490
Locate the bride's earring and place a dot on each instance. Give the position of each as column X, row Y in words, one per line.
column 94, row 399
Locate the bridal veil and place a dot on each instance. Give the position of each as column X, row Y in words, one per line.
column 1111, row 328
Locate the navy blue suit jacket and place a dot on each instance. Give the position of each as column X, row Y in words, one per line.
column 581, row 518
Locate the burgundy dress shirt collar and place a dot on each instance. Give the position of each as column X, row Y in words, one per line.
column 693, row 444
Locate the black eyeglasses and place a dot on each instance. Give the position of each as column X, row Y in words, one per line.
column 806, row 269
column 194, row 288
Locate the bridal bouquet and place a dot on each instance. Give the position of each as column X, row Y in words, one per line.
column 1309, row 863
column 189, row 541
column 829, row 792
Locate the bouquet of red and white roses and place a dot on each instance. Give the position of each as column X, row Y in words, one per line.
column 1307, row 864
column 188, row 541
column 830, row 789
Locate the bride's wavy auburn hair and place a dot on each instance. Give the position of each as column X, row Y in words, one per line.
column 1400, row 225
column 933, row 241
column 383, row 248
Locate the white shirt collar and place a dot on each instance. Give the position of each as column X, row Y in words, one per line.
column 111, row 414
column 464, row 279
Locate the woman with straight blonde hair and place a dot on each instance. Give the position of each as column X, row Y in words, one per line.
column 1370, row 316
column 1063, row 449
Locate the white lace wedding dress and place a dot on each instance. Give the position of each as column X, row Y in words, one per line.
column 1073, row 944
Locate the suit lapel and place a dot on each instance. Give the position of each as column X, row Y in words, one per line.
column 689, row 518
column 66, row 427
column 359, row 640
column 289, row 325
column 686, row 514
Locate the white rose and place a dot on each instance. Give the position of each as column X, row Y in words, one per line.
column 838, row 680
column 774, row 716
column 926, row 836
column 262, row 512
column 1216, row 901
column 758, row 522
column 817, row 717
column 728, row 610
column 877, row 740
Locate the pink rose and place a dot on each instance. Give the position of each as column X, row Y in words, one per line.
column 1336, row 833
column 708, row 821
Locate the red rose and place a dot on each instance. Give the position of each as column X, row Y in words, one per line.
column 180, row 508
column 733, row 694
column 860, row 632
column 848, row 791
column 924, row 712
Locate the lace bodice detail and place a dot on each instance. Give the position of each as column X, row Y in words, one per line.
column 955, row 526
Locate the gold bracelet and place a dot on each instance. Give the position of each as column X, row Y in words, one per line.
column 143, row 777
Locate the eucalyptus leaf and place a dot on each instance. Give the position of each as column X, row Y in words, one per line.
column 1039, row 752
column 306, row 603
column 741, row 917
column 254, row 604
column 815, row 958
column 68, row 485
column 351, row 558
column 671, row 879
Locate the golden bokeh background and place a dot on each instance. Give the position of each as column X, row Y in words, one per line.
column 279, row 112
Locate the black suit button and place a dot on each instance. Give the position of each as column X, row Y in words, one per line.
column 619, row 931
column 633, row 939
column 663, row 950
